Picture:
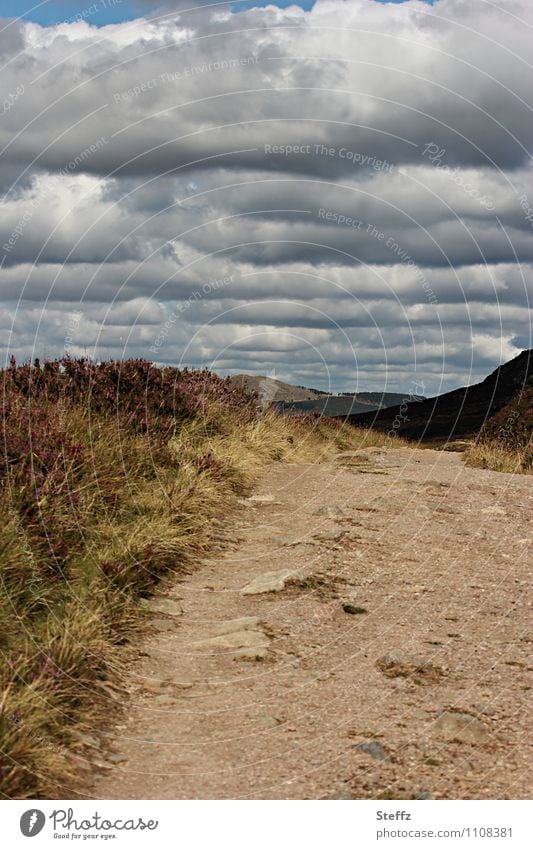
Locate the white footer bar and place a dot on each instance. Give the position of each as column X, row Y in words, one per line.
column 268, row 824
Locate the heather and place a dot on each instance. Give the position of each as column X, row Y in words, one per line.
column 116, row 478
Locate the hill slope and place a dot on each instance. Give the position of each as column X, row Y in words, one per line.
column 462, row 412
column 270, row 389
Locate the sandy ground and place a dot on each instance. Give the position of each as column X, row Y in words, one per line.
column 423, row 694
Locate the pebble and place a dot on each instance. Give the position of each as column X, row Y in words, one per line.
column 374, row 749
column 351, row 608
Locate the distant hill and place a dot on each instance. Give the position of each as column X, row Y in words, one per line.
column 341, row 405
column 462, row 412
column 270, row 389
column 300, row 399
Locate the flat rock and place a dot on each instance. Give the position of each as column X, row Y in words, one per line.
column 244, row 623
column 165, row 605
column 374, row 749
column 330, row 511
column 237, row 640
column 269, row 582
column 461, row 727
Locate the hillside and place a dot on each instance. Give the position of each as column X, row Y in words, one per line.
column 460, row 413
column 513, row 424
column 505, row 443
column 341, row 405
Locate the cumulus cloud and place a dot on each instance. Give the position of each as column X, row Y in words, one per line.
column 347, row 189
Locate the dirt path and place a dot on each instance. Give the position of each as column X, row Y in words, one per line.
column 424, row 693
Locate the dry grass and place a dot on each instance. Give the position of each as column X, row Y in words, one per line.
column 134, row 515
column 491, row 455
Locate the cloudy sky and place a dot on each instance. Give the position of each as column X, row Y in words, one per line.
column 337, row 193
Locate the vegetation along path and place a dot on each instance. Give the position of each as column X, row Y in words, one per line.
column 364, row 636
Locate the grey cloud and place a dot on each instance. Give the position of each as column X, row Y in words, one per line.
column 159, row 132
column 11, row 37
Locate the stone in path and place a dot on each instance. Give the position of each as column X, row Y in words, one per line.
column 244, row 634
column 164, row 605
column 330, row 511
column 374, row 749
column 269, row 582
column 460, row 726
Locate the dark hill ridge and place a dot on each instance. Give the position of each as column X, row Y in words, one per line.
column 341, row 405
column 460, row 413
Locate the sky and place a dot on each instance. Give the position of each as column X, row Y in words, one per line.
column 338, row 194
column 102, row 12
